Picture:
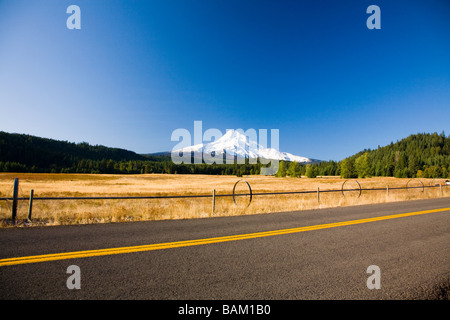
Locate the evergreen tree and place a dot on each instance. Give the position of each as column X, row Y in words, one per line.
column 348, row 168
column 294, row 169
column 362, row 166
column 311, row 171
column 281, row 169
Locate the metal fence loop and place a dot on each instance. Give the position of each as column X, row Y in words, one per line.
column 360, row 190
column 415, row 179
column 234, row 189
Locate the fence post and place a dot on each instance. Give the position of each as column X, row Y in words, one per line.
column 214, row 201
column 440, row 188
column 15, row 196
column 318, row 195
column 30, row 207
column 387, row 191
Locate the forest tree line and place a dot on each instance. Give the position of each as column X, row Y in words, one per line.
column 417, row 156
column 421, row 155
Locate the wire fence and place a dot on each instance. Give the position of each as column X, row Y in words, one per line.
column 15, row 198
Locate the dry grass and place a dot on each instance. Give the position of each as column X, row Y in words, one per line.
column 52, row 212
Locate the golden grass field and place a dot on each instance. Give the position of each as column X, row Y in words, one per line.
column 60, row 212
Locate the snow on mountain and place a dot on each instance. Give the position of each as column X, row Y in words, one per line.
column 238, row 144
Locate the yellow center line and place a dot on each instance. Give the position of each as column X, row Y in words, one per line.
column 187, row 243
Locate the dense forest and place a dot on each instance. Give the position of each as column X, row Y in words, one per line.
column 420, row 155
column 25, row 153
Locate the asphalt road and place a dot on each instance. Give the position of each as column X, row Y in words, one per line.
column 412, row 254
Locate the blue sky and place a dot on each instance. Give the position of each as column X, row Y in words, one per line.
column 138, row 70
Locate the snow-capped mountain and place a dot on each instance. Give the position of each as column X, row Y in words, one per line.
column 238, row 144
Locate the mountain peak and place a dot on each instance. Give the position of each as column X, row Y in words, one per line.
column 242, row 145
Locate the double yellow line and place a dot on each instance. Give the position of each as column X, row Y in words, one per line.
column 179, row 244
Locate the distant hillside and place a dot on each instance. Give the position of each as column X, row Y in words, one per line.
column 423, row 155
column 26, row 152
column 419, row 155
